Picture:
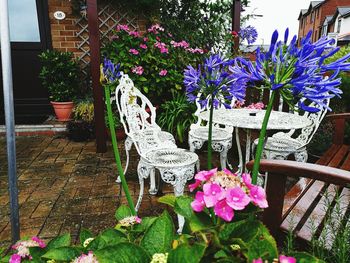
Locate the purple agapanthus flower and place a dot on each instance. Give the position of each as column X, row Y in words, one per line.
column 298, row 72
column 110, row 70
column 213, row 84
column 248, row 33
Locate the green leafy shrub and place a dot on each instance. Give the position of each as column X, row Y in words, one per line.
column 177, row 115
column 60, row 74
column 154, row 61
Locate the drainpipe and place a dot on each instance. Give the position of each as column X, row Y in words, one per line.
column 9, row 118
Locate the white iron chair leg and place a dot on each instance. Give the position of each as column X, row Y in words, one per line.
column 153, row 189
column 143, row 171
column 127, row 145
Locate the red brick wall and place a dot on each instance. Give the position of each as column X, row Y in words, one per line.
column 327, row 8
column 63, row 32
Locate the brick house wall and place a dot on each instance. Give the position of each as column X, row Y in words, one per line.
column 315, row 17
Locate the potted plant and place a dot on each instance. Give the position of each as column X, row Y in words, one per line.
column 81, row 128
column 60, row 75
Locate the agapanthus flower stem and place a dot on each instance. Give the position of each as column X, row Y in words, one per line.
column 260, row 147
column 116, row 151
column 210, row 132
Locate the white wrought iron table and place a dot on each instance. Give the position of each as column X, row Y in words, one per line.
column 251, row 119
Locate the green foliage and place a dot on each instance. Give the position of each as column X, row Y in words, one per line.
column 203, row 240
column 60, row 74
column 177, row 115
column 162, row 69
column 84, row 111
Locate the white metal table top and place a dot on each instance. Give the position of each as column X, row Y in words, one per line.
column 241, row 118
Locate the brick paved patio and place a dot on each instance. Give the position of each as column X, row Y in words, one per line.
column 65, row 186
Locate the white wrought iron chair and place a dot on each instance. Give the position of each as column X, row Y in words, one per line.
column 157, row 149
column 221, row 136
column 282, row 144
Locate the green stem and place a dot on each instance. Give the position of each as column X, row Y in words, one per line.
column 259, row 148
column 210, row 132
column 116, row 151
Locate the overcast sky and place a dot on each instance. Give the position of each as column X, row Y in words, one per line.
column 277, row 14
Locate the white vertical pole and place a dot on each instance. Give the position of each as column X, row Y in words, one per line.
column 9, row 117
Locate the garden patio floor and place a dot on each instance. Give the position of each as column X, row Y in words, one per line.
column 65, row 186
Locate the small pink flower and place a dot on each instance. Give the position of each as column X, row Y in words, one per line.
column 145, row 39
column 247, row 180
column 205, row 175
column 259, row 260
column 223, row 211
column 15, row 258
column 122, row 27
column 212, row 194
column 39, row 241
column 194, row 185
column 138, row 220
column 158, row 38
column 137, row 70
column 143, row 46
column 237, row 198
column 228, row 172
column 133, row 51
column 258, row 196
column 163, row 72
column 164, row 50
column 285, row 259
column 198, row 203
column 134, row 33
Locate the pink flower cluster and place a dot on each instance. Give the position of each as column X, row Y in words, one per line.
column 225, row 192
column 195, row 50
column 122, row 27
column 133, row 51
column 182, row 44
column 154, row 28
column 163, row 72
column 281, row 259
column 256, row 106
column 137, row 70
column 162, row 47
column 22, row 248
column 134, row 33
column 143, row 46
column 89, row 258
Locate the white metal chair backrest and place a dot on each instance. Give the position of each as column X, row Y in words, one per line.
column 132, row 105
column 316, row 117
column 199, row 110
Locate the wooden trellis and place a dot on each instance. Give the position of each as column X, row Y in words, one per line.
column 109, row 16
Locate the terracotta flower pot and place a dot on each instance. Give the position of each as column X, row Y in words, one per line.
column 63, row 110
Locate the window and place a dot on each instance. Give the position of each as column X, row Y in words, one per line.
column 23, row 20
column 339, row 25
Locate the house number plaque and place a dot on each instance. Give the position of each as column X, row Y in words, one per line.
column 59, row 15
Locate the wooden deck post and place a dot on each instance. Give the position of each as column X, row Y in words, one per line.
column 94, row 43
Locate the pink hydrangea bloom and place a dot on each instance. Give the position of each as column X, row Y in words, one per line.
column 137, row 70
column 205, row 175
column 212, row 194
column 89, row 258
column 198, row 203
column 258, row 196
column 40, row 242
column 133, row 51
column 247, row 180
column 259, row 260
column 143, row 46
column 15, row 258
column 285, row 259
column 193, row 186
column 237, row 198
column 163, row 72
column 134, row 33
column 223, row 211
column 122, row 27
